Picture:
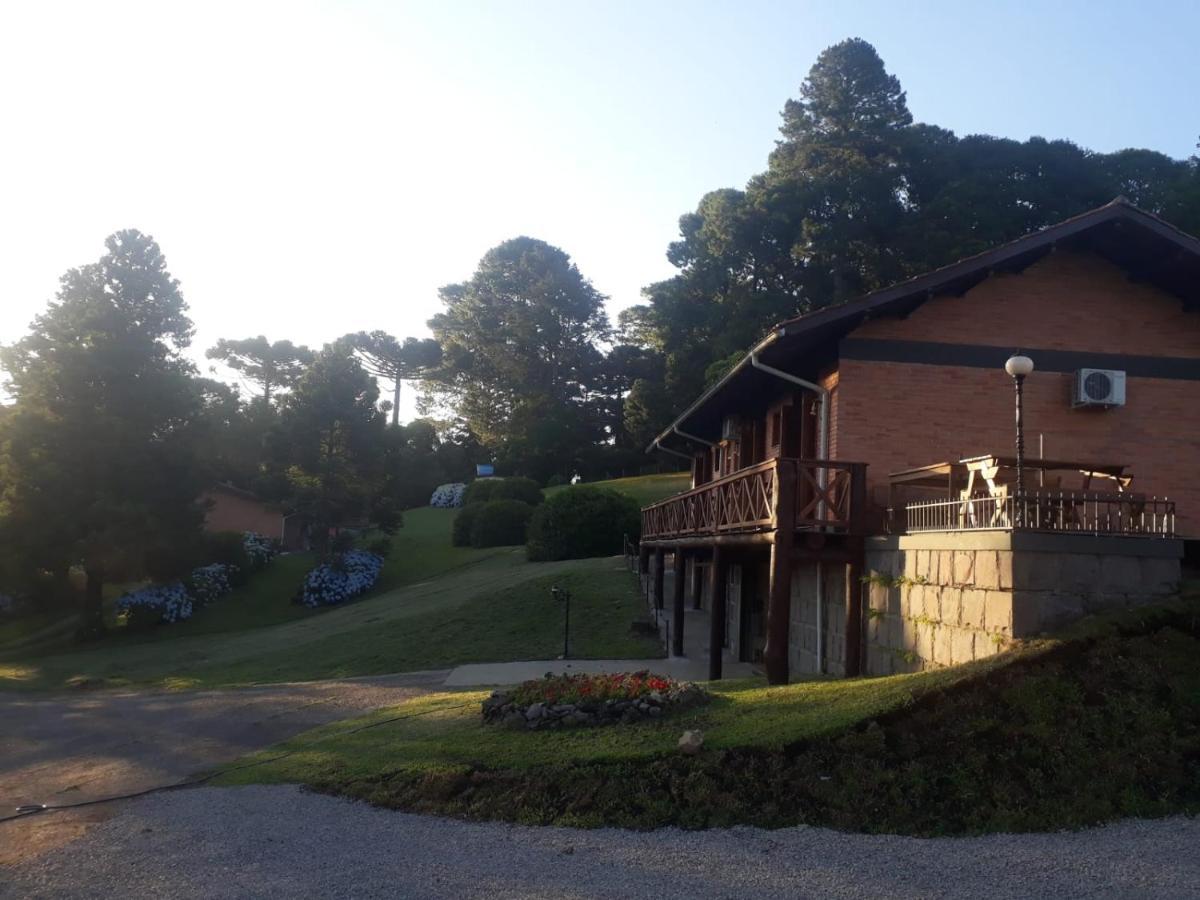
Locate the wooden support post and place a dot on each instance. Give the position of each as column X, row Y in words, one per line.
column 677, row 594
column 644, row 567
column 718, row 581
column 660, row 566
column 779, row 598
column 697, row 583
column 854, row 595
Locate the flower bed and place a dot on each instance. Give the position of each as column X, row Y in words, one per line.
column 207, row 583
column 558, row 701
column 448, row 496
column 352, row 573
column 155, row 605
column 261, row 550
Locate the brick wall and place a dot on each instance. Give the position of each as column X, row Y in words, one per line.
column 229, row 512
column 898, row 415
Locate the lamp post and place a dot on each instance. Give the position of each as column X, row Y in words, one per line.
column 1019, row 366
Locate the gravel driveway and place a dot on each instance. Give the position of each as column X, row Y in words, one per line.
column 90, row 745
column 283, row 842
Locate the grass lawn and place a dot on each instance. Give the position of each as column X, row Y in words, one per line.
column 498, row 609
column 645, row 489
column 1100, row 724
column 421, row 549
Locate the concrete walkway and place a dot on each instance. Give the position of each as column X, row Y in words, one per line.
column 490, row 674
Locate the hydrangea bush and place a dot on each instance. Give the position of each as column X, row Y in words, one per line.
column 351, row 574
column 158, row 603
column 207, row 583
column 261, row 550
column 448, row 496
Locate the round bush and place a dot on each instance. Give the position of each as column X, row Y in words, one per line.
column 500, row 523
column 154, row 605
column 347, row 576
column 460, row 536
column 556, row 481
column 481, row 490
column 582, row 521
column 524, row 489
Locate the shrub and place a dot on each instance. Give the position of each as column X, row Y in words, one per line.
column 448, row 496
column 582, row 521
column 481, row 490
column 207, row 583
column 259, row 550
column 460, row 535
column 556, row 481
column 500, row 523
column 524, row 489
column 155, row 605
column 346, row 577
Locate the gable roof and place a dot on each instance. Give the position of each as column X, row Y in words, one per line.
column 1147, row 247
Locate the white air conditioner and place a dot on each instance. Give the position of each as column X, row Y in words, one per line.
column 1098, row 387
column 731, row 429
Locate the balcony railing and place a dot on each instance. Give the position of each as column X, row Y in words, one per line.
column 1058, row 511
column 823, row 495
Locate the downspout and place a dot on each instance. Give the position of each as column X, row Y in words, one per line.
column 658, row 446
column 823, row 453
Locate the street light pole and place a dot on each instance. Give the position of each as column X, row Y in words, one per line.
column 1019, row 366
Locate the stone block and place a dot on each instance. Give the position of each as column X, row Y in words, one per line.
column 962, row 645
column 987, row 644
column 910, row 563
column 877, row 595
column 950, row 605
column 1037, row 571
column 914, row 595
column 998, row 611
column 1160, row 576
column 1004, row 569
column 895, row 601
column 972, row 608
column 1026, row 614
column 1080, row 572
column 987, row 572
column 925, row 641
column 1058, row 608
column 964, row 568
column 1120, row 575
column 943, row 641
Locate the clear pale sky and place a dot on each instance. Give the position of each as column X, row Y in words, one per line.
column 313, row 168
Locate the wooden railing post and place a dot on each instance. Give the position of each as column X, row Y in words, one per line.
column 718, row 581
column 660, row 565
column 677, row 593
column 779, row 600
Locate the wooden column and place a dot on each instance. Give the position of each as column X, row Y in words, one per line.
column 643, row 567
column 697, row 584
column 854, row 625
column 660, row 566
column 779, row 598
column 678, row 589
column 718, row 581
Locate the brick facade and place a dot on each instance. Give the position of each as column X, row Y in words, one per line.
column 898, row 415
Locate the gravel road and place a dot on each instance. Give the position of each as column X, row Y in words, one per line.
column 283, row 842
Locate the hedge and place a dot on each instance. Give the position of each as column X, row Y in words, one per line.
column 582, row 521
column 500, row 523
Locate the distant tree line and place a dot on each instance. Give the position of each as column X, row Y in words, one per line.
column 113, row 433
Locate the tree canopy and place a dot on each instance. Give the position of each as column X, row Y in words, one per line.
column 270, row 366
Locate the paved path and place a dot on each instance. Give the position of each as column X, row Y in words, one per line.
column 488, row 674
column 67, row 749
column 282, row 842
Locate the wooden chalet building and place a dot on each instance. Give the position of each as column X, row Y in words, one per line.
column 854, row 509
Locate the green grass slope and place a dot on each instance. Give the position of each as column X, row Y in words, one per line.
column 495, row 610
column 645, row 489
column 1101, row 724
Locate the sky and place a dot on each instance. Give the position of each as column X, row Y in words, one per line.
column 315, row 168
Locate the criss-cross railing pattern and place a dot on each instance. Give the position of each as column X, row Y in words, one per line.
column 748, row 501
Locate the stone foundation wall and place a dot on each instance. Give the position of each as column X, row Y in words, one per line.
column 949, row 598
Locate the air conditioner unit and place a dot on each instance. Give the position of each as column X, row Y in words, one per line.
column 731, row 429
column 1098, row 387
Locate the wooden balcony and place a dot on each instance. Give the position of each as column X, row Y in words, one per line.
column 811, row 494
